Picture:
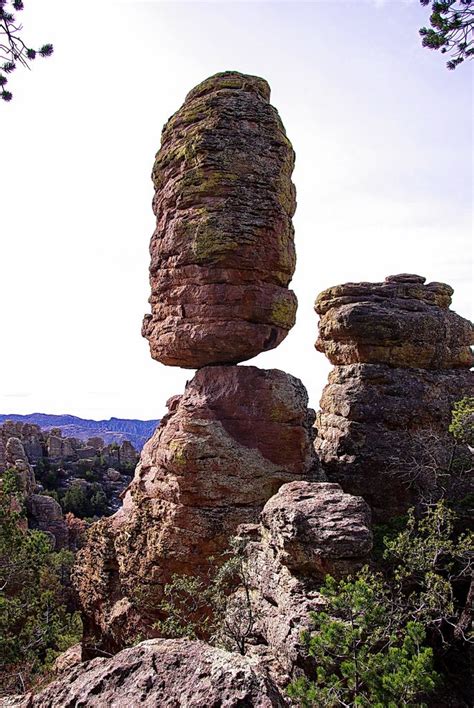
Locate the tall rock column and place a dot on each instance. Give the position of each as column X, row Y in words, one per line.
column 222, row 256
column 401, row 359
column 223, row 253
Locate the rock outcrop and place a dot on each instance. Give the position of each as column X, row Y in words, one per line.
column 49, row 462
column 307, row 530
column 401, row 360
column 166, row 673
column 226, row 446
column 45, row 514
column 222, row 254
column 15, row 458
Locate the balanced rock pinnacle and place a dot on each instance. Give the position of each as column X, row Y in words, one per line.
column 401, row 360
column 222, row 254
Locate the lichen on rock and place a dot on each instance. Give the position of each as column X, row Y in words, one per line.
column 401, row 359
column 222, row 255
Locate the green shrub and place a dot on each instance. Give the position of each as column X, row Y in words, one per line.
column 37, row 620
column 375, row 644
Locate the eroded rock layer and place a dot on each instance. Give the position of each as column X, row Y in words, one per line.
column 222, row 254
column 402, row 360
column 226, row 446
column 402, row 322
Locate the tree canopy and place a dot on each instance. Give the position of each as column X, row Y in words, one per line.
column 452, row 29
column 13, row 48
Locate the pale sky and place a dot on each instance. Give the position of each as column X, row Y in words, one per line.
column 382, row 134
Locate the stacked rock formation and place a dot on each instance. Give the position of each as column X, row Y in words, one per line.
column 401, row 359
column 221, row 259
column 222, row 254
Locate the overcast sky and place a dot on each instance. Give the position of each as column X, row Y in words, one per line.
column 382, row 134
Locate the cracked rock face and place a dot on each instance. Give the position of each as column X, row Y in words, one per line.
column 307, row 529
column 226, row 446
column 401, row 361
column 222, row 254
column 166, row 673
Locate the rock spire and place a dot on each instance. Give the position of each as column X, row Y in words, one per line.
column 222, row 256
column 401, row 359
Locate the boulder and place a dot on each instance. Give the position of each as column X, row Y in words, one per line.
column 15, row 457
column 69, row 658
column 226, row 446
column 222, row 254
column 166, row 673
column 45, row 514
column 55, row 446
column 307, row 530
column 128, row 456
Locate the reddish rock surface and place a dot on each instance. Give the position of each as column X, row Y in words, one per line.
column 307, row 529
column 223, row 253
column 226, row 446
column 170, row 673
column 402, row 322
column 402, row 361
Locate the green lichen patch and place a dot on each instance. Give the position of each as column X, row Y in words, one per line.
column 178, row 454
column 283, row 312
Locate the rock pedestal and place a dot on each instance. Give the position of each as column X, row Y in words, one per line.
column 401, row 360
column 226, row 446
column 223, row 253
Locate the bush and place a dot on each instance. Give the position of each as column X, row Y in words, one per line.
column 365, row 654
column 380, row 637
column 209, row 608
column 37, row 620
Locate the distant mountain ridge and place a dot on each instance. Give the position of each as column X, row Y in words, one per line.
column 112, row 430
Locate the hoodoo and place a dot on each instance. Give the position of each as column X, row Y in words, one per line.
column 226, row 446
column 401, row 359
column 221, row 260
column 222, row 254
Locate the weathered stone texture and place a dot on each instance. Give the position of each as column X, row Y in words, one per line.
column 226, row 446
column 401, row 322
column 166, row 673
column 45, row 514
column 308, row 529
column 402, row 360
column 15, row 458
column 223, row 253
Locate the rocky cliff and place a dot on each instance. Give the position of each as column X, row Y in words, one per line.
column 401, row 359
